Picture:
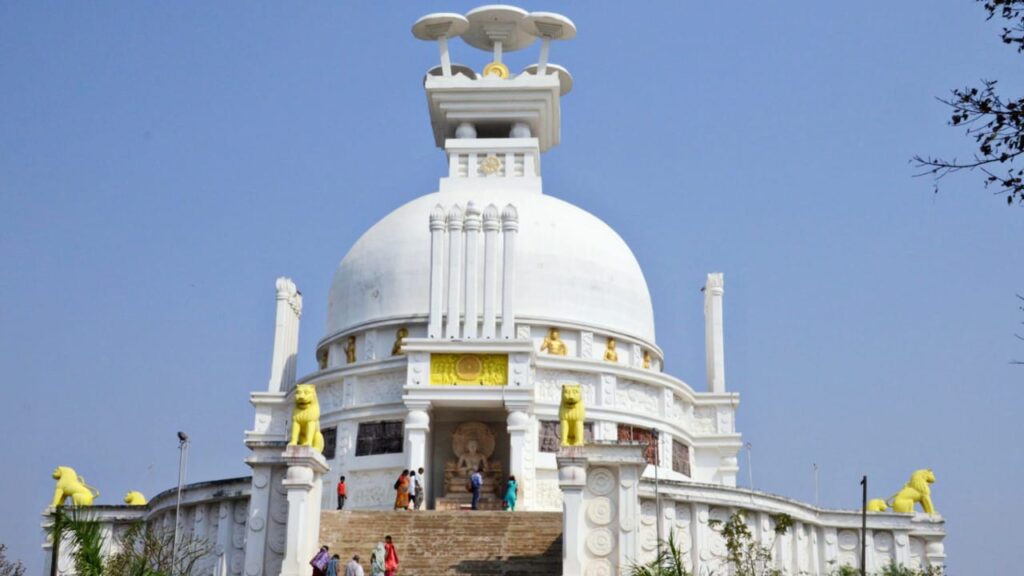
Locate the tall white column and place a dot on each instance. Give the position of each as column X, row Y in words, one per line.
column 518, row 429
column 303, row 483
column 454, row 270
column 492, row 222
column 286, row 336
column 436, row 271
column 572, row 479
column 714, row 340
column 509, row 229
column 473, row 225
column 417, row 426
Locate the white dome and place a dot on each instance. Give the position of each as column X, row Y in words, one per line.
column 571, row 267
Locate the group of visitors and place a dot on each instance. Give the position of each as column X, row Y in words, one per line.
column 476, row 482
column 383, row 562
column 410, row 490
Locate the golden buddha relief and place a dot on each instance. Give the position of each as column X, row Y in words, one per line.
column 350, row 350
column 553, row 343
column 647, row 359
column 610, row 355
column 400, row 336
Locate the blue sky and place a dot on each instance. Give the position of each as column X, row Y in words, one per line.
column 162, row 164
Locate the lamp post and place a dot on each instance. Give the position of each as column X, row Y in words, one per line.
column 863, row 526
column 816, row 504
column 182, row 463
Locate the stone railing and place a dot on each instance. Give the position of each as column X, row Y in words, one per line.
column 213, row 515
column 614, row 516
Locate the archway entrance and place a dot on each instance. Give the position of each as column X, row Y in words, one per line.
column 461, row 440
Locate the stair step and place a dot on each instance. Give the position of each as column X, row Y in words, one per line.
column 456, row 542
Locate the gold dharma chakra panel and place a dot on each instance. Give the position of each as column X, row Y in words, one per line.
column 469, row 369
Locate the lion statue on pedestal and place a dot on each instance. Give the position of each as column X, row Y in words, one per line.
column 917, row 490
column 306, row 419
column 71, row 485
column 135, row 498
column 877, row 505
column 571, row 414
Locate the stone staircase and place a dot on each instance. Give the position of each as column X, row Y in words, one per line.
column 439, row 543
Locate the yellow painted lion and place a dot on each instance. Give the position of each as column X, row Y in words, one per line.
column 135, row 498
column 917, row 490
column 71, row 485
column 306, row 419
column 571, row 414
column 877, row 505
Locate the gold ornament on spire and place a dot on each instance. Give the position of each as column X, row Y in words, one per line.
column 496, row 69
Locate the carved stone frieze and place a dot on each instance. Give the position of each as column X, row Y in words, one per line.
column 370, row 345
column 549, row 385
column 586, row 344
column 549, row 495
column 724, row 421
column 636, row 397
column 375, row 389
column 704, row 420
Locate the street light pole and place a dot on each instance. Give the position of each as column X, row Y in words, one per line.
column 864, row 527
column 816, row 503
column 182, row 463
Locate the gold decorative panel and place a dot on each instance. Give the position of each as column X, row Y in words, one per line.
column 469, row 369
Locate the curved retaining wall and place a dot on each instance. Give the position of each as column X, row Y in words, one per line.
column 212, row 513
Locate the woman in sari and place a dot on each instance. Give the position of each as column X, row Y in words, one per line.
column 377, row 560
column 402, row 491
column 319, row 562
column 390, row 557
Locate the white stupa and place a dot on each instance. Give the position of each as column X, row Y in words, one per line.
column 453, row 324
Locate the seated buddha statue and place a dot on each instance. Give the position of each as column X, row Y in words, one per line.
column 473, row 445
column 471, row 460
column 610, row 355
column 553, row 343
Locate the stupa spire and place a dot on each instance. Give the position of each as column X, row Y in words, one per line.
column 495, row 123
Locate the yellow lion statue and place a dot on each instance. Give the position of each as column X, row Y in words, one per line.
column 571, row 415
column 71, row 485
column 917, row 490
column 306, row 419
column 135, row 498
column 877, row 505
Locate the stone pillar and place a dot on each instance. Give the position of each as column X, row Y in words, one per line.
column 518, row 431
column 417, row 426
column 492, row 223
column 714, row 340
column 303, row 483
column 454, row 270
column 225, row 524
column 436, row 271
column 509, row 228
column 286, row 336
column 473, row 225
column 572, row 479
